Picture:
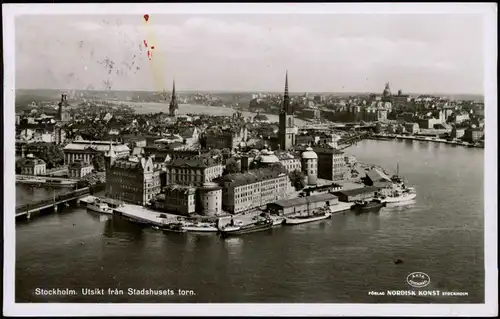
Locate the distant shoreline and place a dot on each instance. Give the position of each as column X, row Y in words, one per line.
column 454, row 96
column 184, row 109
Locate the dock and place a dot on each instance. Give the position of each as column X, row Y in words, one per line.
column 143, row 215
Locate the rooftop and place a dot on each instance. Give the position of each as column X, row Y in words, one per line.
column 192, row 163
column 357, row 191
column 253, row 176
column 304, row 200
column 100, row 146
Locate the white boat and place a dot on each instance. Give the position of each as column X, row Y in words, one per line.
column 398, row 196
column 199, row 227
column 277, row 220
column 99, row 206
column 295, row 220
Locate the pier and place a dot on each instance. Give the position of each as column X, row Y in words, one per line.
column 424, row 139
column 349, row 140
column 27, row 209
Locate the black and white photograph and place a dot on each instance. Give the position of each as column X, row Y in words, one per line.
column 257, row 159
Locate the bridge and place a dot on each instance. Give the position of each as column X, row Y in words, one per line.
column 347, row 141
column 27, row 209
column 38, row 179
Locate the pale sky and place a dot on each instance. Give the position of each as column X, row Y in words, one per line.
column 323, row 53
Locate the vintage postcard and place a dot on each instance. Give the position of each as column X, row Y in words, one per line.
column 257, row 159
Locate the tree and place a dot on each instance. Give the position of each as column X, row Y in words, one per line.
column 231, row 167
column 51, row 154
column 297, row 178
column 99, row 163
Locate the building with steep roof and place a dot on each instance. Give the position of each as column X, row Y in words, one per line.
column 86, row 150
column 174, row 105
column 287, row 128
column 134, row 180
column 254, row 188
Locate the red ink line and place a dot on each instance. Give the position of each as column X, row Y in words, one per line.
column 145, row 44
column 149, row 55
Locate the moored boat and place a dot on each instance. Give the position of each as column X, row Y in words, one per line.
column 173, row 227
column 399, row 196
column 199, row 227
column 277, row 220
column 99, row 206
column 298, row 219
column 235, row 230
column 364, row 206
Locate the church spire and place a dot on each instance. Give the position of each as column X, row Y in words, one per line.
column 286, row 97
column 173, row 102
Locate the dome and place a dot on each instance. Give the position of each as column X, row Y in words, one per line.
column 309, row 154
column 268, row 157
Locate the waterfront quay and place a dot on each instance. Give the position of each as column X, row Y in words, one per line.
column 425, row 139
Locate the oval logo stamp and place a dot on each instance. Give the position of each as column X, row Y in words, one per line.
column 418, row 279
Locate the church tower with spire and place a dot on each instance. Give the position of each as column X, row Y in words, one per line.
column 174, row 105
column 287, row 130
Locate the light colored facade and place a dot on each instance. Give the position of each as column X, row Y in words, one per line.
column 457, row 132
column 252, row 189
column 193, row 172
column 412, row 128
column 290, row 161
column 310, row 166
column 86, row 150
column 79, row 169
column 133, row 180
column 33, row 166
column 209, row 199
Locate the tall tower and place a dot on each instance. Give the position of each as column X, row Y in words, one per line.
column 62, row 104
column 174, row 106
column 286, row 125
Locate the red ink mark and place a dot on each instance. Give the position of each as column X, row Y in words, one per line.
column 146, row 17
column 149, row 55
column 152, row 47
column 145, row 44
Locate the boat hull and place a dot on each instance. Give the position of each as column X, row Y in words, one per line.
column 399, row 199
column 296, row 221
column 200, row 229
column 100, row 210
column 246, row 230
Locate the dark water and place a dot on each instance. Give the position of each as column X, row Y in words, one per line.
column 339, row 260
column 26, row 194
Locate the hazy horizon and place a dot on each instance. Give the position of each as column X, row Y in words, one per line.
column 355, row 53
column 413, row 94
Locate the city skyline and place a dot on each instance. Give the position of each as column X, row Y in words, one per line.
column 349, row 53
